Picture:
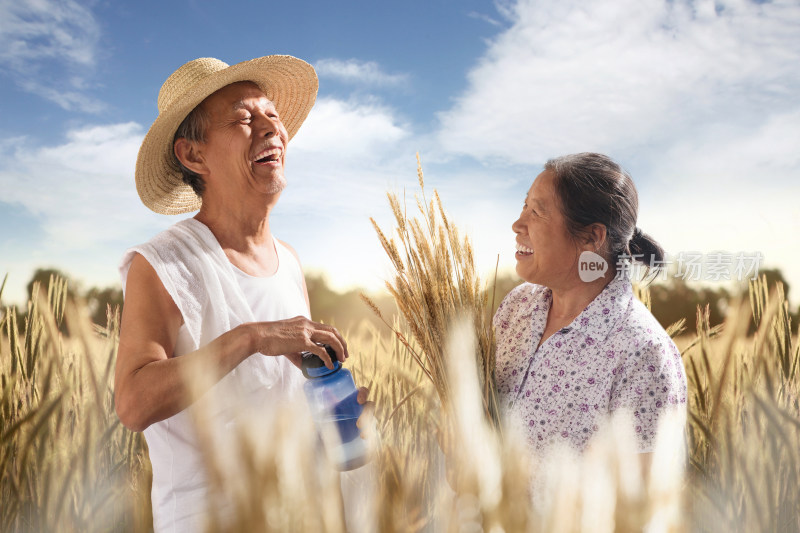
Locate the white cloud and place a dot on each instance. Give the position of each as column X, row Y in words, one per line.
column 622, row 76
column 64, row 98
column 700, row 97
column 37, row 29
column 339, row 166
column 82, row 195
column 48, row 47
column 86, row 171
column 84, row 188
column 358, row 72
column 735, row 190
column 484, row 17
column 107, row 151
column 340, row 129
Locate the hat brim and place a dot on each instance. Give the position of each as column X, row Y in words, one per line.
column 290, row 83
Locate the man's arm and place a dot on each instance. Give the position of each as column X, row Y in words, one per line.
column 296, row 358
column 149, row 384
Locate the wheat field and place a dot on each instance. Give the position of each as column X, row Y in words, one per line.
column 443, row 461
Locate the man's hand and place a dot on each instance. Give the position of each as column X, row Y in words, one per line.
column 295, row 335
column 366, row 422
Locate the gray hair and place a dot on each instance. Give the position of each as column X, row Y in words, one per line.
column 593, row 188
column 193, row 129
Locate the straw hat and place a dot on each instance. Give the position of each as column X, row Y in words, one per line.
column 289, row 82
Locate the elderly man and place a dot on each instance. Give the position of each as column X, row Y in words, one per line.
column 218, row 288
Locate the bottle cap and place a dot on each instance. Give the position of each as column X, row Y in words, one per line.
column 313, row 366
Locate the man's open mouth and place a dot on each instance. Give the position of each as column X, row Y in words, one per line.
column 271, row 155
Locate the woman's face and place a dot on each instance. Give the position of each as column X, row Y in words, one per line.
column 546, row 252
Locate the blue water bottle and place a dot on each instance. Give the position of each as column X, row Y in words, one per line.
column 331, row 395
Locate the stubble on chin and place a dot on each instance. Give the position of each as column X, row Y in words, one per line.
column 276, row 185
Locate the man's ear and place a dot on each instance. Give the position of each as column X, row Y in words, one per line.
column 596, row 236
column 188, row 154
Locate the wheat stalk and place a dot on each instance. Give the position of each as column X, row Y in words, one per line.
column 434, row 282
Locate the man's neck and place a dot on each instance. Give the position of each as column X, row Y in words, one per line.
column 236, row 230
column 238, row 225
column 243, row 232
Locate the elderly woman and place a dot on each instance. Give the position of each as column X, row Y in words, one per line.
column 574, row 344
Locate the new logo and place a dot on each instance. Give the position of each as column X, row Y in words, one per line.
column 591, row 266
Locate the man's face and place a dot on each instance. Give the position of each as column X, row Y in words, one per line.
column 245, row 144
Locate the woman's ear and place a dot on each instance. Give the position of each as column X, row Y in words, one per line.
column 596, row 236
column 188, row 154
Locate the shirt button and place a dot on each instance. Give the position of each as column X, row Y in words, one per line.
column 565, row 330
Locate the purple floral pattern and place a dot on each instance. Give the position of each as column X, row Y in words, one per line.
column 614, row 355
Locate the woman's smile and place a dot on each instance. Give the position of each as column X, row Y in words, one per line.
column 523, row 251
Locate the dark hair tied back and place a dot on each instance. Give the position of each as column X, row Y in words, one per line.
column 644, row 249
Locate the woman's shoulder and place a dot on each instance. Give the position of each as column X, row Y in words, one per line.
column 642, row 318
column 640, row 329
column 649, row 373
column 521, row 298
column 523, row 293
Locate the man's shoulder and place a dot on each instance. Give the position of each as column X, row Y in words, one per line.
column 288, row 247
column 176, row 244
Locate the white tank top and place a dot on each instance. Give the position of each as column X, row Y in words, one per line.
column 179, row 480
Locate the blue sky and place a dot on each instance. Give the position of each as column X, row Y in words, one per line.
column 698, row 100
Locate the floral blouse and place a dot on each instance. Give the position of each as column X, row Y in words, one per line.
column 613, row 355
